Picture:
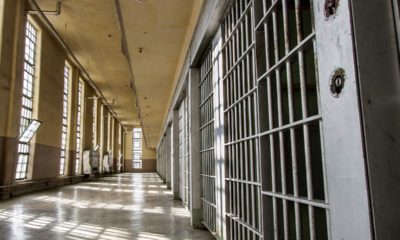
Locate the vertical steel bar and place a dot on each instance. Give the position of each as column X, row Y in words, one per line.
column 305, row 126
column 270, row 119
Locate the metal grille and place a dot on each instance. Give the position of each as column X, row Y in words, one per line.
column 27, row 98
column 64, row 133
column 207, row 153
column 184, row 155
column 243, row 187
column 293, row 178
column 78, row 128
column 137, row 148
column 163, row 158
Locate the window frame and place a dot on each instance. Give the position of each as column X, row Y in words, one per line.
column 66, row 117
column 28, row 94
column 137, row 137
column 79, row 124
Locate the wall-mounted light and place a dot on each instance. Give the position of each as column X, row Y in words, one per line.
column 30, row 131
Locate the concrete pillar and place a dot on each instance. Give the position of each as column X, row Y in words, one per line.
column 87, row 118
column 116, row 134
column 219, row 136
column 175, row 155
column 161, row 159
column 158, row 158
column 194, row 125
column 128, row 150
column 102, row 130
column 72, row 123
column 168, row 162
column 12, row 34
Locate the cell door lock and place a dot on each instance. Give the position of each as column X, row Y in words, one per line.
column 338, row 79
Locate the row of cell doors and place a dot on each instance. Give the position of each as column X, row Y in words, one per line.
column 283, row 149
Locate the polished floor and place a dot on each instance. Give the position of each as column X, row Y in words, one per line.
column 125, row 206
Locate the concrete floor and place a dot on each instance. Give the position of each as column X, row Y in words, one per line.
column 125, row 206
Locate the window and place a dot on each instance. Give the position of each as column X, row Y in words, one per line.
column 94, row 123
column 78, row 128
column 120, row 134
column 27, row 97
column 137, row 148
column 65, row 119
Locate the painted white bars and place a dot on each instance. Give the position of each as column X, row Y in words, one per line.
column 207, row 143
column 184, row 155
column 242, row 174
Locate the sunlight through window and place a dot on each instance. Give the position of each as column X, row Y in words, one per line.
column 151, row 236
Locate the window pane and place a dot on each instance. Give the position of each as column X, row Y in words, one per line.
column 137, row 148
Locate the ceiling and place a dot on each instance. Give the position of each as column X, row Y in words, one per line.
column 158, row 33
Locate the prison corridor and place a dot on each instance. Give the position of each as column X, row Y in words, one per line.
column 124, row 206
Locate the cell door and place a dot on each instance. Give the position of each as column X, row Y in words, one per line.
column 295, row 166
column 242, row 159
column 207, row 143
column 184, row 155
column 312, row 156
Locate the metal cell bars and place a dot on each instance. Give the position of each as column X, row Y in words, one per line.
column 137, row 148
column 162, row 158
column 64, row 120
column 241, row 126
column 78, row 128
column 293, row 183
column 207, row 153
column 27, row 98
column 188, row 167
column 184, row 156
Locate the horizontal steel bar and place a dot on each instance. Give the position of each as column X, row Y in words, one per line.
column 238, row 220
column 274, row 4
column 207, row 150
column 209, row 203
column 206, row 99
column 236, row 64
column 314, row 203
column 205, row 76
column 242, row 139
column 206, row 124
column 292, row 125
column 285, row 58
column 243, row 181
column 240, row 99
column 205, row 175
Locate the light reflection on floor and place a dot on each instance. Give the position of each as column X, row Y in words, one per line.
column 126, row 206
